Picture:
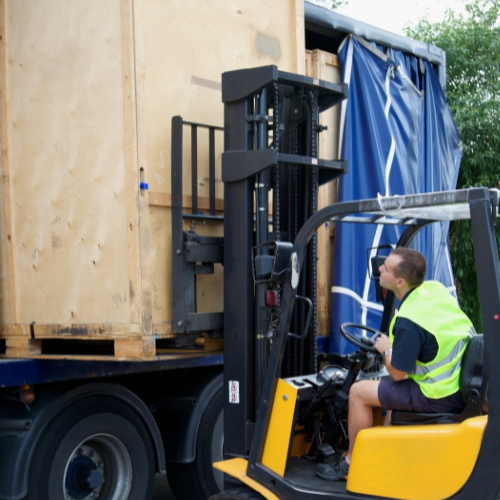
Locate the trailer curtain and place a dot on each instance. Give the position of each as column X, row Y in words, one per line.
column 399, row 137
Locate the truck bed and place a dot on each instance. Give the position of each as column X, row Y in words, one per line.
column 16, row 372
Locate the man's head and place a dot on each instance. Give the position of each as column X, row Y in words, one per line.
column 403, row 270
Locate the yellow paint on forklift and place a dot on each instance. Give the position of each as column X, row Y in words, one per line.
column 280, row 428
column 300, row 445
column 424, row 462
column 237, row 467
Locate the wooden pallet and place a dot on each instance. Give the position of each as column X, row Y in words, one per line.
column 113, row 349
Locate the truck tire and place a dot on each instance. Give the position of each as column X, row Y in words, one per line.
column 238, row 493
column 97, row 448
column 199, row 480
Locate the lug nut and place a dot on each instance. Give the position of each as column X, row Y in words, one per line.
column 91, row 453
column 27, row 397
column 79, row 451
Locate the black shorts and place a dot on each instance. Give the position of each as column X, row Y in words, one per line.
column 406, row 395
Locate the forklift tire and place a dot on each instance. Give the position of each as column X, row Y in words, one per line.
column 96, row 448
column 198, row 480
column 238, row 493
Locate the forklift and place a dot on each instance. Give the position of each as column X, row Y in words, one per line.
column 282, row 416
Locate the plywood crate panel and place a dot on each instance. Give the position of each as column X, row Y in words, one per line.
column 66, row 164
column 222, row 36
column 87, row 93
column 187, row 45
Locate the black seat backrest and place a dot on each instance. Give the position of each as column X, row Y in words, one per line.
column 473, row 381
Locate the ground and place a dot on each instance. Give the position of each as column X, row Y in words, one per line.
column 162, row 490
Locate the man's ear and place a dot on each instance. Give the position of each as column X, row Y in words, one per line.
column 401, row 282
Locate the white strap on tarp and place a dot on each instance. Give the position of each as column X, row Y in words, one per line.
column 401, row 70
column 365, row 304
column 347, row 79
column 368, row 46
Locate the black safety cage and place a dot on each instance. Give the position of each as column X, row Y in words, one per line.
column 480, row 205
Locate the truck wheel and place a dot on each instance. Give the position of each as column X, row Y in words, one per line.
column 199, row 480
column 97, row 448
column 238, row 493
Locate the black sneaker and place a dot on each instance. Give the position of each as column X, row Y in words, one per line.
column 336, row 471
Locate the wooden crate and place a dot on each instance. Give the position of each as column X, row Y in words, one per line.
column 323, row 65
column 87, row 92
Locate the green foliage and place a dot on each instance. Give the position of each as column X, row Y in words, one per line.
column 330, row 4
column 472, row 45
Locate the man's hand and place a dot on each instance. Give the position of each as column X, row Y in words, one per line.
column 382, row 344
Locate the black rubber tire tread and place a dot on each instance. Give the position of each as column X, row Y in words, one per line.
column 238, row 493
column 196, row 481
column 89, row 416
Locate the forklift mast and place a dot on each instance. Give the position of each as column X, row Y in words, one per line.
column 271, row 127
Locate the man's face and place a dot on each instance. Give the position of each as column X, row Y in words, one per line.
column 387, row 278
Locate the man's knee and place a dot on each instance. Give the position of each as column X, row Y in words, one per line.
column 364, row 392
column 357, row 391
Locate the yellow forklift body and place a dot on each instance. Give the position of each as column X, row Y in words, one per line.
column 237, row 468
column 421, row 462
column 280, row 428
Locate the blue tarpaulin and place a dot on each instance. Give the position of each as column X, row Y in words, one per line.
column 399, row 137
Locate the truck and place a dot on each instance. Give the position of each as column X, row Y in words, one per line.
column 119, row 289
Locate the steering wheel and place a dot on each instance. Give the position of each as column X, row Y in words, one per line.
column 364, row 343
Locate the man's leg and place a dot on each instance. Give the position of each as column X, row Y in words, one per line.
column 387, row 420
column 362, row 397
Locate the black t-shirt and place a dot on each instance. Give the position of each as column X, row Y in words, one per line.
column 411, row 343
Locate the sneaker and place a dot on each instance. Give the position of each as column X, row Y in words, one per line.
column 336, row 471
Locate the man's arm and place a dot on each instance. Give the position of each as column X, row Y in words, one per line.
column 383, row 344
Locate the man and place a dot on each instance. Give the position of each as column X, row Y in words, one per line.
column 423, row 353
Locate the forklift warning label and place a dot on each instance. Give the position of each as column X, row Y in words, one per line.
column 234, row 392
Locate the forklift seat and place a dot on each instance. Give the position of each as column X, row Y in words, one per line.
column 473, row 386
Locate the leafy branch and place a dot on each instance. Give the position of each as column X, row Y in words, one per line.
column 472, row 45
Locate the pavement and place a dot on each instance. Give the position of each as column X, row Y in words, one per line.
column 162, row 490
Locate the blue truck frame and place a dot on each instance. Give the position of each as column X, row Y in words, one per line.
column 18, row 372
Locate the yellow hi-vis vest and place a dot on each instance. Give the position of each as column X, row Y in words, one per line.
column 433, row 308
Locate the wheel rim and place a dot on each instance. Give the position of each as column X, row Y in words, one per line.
column 218, row 449
column 99, row 467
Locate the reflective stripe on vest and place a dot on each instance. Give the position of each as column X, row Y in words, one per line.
column 431, row 307
column 426, row 369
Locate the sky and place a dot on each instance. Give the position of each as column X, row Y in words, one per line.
column 392, row 15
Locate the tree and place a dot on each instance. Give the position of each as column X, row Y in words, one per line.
column 330, row 4
column 472, row 45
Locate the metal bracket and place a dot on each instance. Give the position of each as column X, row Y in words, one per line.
column 205, row 250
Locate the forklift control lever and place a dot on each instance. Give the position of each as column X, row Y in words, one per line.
column 308, row 318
